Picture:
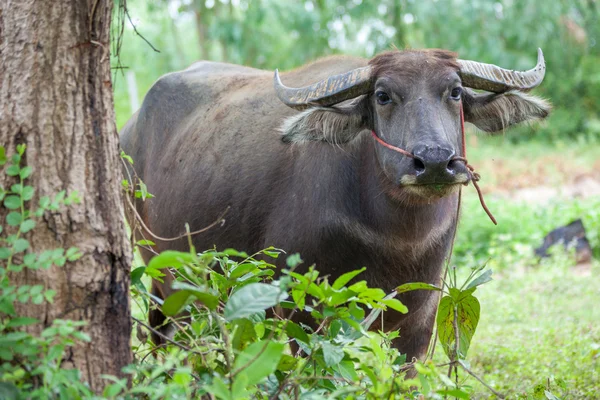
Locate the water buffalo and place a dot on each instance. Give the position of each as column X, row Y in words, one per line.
column 317, row 182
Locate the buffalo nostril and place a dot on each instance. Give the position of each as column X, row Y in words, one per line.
column 418, row 165
column 452, row 166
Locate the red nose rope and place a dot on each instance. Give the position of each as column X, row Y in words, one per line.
column 474, row 176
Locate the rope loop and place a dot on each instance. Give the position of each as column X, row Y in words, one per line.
column 473, row 176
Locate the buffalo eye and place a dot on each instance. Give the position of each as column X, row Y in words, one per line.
column 382, row 98
column 455, row 94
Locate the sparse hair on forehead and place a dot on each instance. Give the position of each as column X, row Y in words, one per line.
column 408, row 62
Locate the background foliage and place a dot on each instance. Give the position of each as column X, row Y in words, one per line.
column 271, row 34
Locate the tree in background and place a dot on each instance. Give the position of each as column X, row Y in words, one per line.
column 56, row 97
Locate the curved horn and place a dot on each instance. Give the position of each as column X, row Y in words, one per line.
column 492, row 78
column 327, row 92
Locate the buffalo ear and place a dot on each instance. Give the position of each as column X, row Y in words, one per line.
column 336, row 125
column 493, row 112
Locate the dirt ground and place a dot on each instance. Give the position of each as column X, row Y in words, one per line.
column 541, row 179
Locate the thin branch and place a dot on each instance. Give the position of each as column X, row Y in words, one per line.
column 500, row 395
column 162, row 335
column 219, row 220
column 137, row 33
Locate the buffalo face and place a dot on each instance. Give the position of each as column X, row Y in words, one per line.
column 412, row 101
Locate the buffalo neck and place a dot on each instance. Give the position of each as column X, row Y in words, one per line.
column 392, row 213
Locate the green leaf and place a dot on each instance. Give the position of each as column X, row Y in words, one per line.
column 341, row 296
column 332, row 353
column 44, row 202
column 55, row 352
column 258, row 361
column 7, row 306
column 468, row 311
column 345, row 278
column 27, row 225
column 49, row 295
column 112, row 390
column 14, row 218
column 170, row 258
column 3, row 158
column 287, row 363
column 73, row 254
column 13, row 337
column 21, row 148
column 60, row 196
column 126, row 157
column 182, row 378
column 4, row 253
column 219, row 389
column 142, row 193
column 176, row 302
column 251, row 299
column 293, row 260
column 12, row 202
column 25, row 172
column 241, row 270
column 481, row 279
column 27, row 193
column 347, row 370
column 13, row 170
column 20, row 245
column 359, row 287
column 372, row 293
column 272, row 252
column 145, row 243
column 9, row 391
column 295, row 331
column 21, row 321
column 395, row 304
column 201, row 293
column 235, row 253
column 238, row 388
column 84, row 337
column 407, row 287
column 243, row 333
column 136, row 275
column 37, row 299
column 299, row 296
column 6, row 355
column 16, row 188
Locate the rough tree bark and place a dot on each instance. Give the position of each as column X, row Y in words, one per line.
column 56, row 96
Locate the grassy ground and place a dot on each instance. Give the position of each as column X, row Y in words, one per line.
column 540, row 325
column 540, row 322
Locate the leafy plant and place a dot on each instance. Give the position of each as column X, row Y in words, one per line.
column 32, row 363
column 229, row 309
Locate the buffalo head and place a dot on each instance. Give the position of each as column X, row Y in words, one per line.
column 412, row 100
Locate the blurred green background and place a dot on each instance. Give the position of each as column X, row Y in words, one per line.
column 283, row 34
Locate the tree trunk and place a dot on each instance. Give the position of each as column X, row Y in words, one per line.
column 201, row 20
column 399, row 37
column 56, row 97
